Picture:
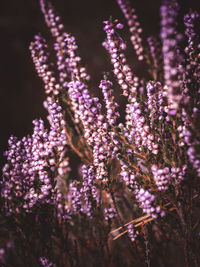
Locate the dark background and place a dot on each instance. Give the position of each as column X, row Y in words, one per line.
column 21, row 91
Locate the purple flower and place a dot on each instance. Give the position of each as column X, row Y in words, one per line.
column 156, row 56
column 138, row 129
column 128, row 176
column 45, row 262
column 131, row 232
column 111, row 105
column 28, row 177
column 40, row 56
column 68, row 62
column 155, row 103
column 172, row 59
column 115, row 47
column 134, row 27
column 109, row 213
column 89, row 190
column 146, row 201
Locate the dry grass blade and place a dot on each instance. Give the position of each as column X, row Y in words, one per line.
column 137, row 222
column 136, row 225
column 131, row 222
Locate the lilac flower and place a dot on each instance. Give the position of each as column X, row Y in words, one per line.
column 68, row 62
column 155, row 103
column 162, row 177
column 131, row 232
column 45, row 262
column 134, row 27
column 20, row 177
column 178, row 174
column 76, row 197
column 29, row 172
column 87, row 110
column 139, row 131
column 109, row 213
column 40, row 56
column 57, row 138
column 51, row 19
column 190, row 140
column 89, row 190
column 191, row 80
column 146, row 158
column 171, row 58
column 57, row 134
column 128, row 176
column 83, row 195
column 194, row 156
column 111, row 105
column 146, row 201
column 156, row 56
column 115, row 46
column 189, row 21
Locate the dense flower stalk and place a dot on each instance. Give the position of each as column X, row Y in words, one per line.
column 68, row 62
column 191, row 63
column 115, row 46
column 155, row 57
column 139, row 129
column 171, row 58
column 155, row 103
column 40, row 56
column 111, row 105
column 88, row 112
column 89, row 190
column 134, row 27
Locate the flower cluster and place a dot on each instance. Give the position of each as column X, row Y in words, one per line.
column 29, row 173
column 115, row 45
column 127, row 176
column 109, row 213
column 45, row 262
column 171, row 57
column 192, row 56
column 155, row 56
column 131, row 233
column 134, row 27
column 139, row 128
column 147, row 166
column 162, row 177
column 146, row 200
column 68, row 62
column 87, row 110
column 89, row 190
column 111, row 105
column 40, row 56
column 155, row 103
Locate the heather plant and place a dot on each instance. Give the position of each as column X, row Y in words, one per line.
column 91, row 188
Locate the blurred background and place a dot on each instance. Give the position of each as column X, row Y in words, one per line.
column 21, row 91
